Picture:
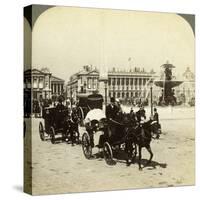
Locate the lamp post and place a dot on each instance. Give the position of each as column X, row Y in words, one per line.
column 105, row 84
column 151, row 97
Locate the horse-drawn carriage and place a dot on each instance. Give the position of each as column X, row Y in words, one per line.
column 113, row 137
column 57, row 125
column 120, row 136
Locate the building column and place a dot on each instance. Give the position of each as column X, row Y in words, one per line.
column 54, row 89
column 60, row 88
column 57, row 89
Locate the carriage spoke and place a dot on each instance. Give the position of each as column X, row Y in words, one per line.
column 86, row 146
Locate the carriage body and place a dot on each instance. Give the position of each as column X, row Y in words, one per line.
column 55, row 123
column 88, row 102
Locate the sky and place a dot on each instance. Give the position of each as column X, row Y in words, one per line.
column 65, row 38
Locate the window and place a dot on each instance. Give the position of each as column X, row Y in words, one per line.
column 41, row 83
column 136, row 80
column 122, row 81
column 118, row 94
column 113, row 81
column 131, row 81
column 145, row 81
column 109, row 81
column 35, row 83
column 93, row 83
column 140, row 81
column 118, row 81
column 127, row 81
column 89, row 83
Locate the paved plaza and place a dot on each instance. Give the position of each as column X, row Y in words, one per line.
column 61, row 168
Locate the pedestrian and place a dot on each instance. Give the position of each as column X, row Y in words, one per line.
column 156, row 116
column 158, row 126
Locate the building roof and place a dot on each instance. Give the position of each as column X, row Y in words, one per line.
column 35, row 71
column 56, row 79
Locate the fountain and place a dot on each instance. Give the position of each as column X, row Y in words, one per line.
column 167, row 83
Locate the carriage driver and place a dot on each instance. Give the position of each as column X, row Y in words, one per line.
column 112, row 109
column 141, row 114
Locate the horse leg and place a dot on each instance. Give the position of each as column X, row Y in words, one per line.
column 128, row 151
column 140, row 157
column 151, row 154
column 135, row 153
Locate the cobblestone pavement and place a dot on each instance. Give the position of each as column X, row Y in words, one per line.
column 61, row 168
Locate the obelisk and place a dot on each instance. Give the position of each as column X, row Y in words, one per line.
column 103, row 70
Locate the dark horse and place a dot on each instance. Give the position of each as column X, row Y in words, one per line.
column 137, row 135
column 141, row 135
column 123, row 125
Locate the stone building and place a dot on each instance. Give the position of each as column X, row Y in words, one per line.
column 37, row 82
column 57, row 86
column 133, row 83
column 40, row 84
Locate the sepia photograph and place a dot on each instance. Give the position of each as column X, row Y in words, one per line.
column 109, row 99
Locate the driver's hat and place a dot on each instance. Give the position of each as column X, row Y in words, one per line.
column 112, row 99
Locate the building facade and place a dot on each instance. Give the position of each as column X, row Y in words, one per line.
column 37, row 82
column 40, row 84
column 121, row 84
column 57, row 86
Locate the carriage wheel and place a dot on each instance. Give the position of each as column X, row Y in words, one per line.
column 108, row 154
column 86, row 146
column 41, row 131
column 52, row 135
